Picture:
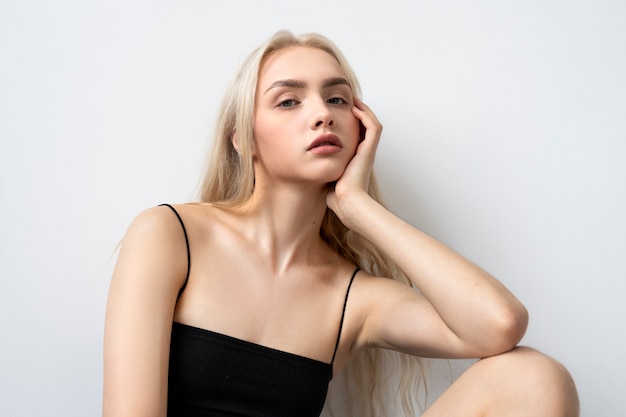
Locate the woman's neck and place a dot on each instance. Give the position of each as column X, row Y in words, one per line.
column 284, row 223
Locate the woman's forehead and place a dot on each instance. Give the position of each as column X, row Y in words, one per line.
column 298, row 62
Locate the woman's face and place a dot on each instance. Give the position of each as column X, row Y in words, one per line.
column 304, row 128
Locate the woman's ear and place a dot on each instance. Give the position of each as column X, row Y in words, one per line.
column 234, row 139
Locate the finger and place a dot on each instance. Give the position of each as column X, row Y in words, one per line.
column 366, row 115
column 360, row 105
column 372, row 132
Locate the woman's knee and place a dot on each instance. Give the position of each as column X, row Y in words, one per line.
column 530, row 365
column 535, row 376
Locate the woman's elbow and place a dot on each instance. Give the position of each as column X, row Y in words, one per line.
column 509, row 327
column 516, row 324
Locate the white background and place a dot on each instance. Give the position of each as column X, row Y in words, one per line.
column 505, row 137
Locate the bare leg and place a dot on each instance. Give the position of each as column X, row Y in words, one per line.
column 519, row 383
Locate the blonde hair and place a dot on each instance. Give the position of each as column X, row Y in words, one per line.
column 229, row 182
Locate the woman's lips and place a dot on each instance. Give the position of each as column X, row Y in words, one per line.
column 326, row 144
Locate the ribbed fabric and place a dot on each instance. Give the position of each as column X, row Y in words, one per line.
column 214, row 375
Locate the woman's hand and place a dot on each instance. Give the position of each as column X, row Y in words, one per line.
column 354, row 181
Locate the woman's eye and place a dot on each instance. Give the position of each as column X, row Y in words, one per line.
column 287, row 103
column 336, row 100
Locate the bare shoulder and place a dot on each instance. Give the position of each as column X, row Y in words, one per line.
column 154, row 221
column 370, row 297
column 155, row 227
column 154, row 246
column 371, row 290
column 172, row 221
column 198, row 218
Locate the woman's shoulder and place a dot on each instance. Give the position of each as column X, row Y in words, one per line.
column 370, row 292
column 153, row 251
column 151, row 222
column 163, row 227
column 164, row 216
column 185, row 225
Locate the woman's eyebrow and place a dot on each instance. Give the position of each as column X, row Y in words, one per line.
column 331, row 82
column 289, row 83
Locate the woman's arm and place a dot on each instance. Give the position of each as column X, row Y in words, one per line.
column 150, row 269
column 462, row 311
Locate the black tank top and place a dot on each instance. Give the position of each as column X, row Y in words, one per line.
column 215, row 375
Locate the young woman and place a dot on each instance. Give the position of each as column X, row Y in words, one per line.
column 248, row 303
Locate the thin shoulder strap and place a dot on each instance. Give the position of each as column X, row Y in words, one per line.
column 343, row 314
column 182, row 288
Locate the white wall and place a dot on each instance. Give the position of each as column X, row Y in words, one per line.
column 505, row 121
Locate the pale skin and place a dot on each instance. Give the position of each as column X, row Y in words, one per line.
column 285, row 287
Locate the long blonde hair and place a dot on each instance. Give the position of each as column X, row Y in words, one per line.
column 229, row 181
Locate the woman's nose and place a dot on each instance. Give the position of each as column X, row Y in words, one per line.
column 321, row 116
